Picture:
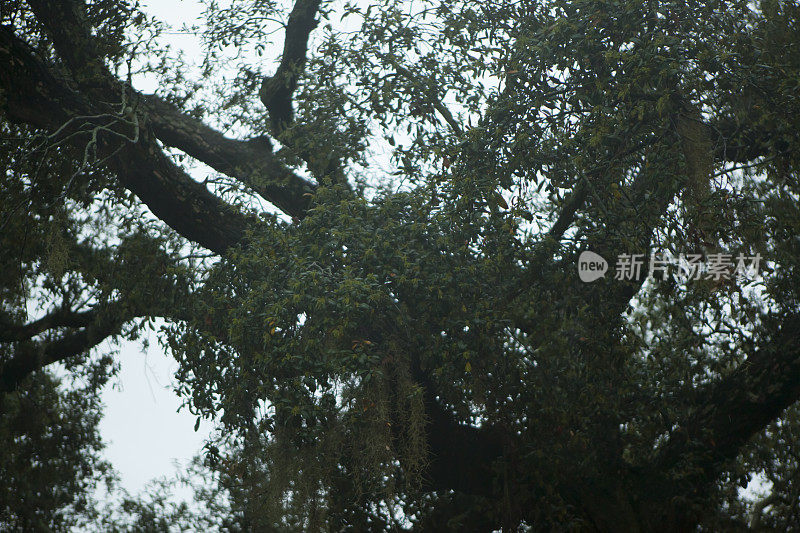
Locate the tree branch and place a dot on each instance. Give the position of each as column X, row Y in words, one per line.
column 756, row 514
column 437, row 103
column 31, row 94
column 736, row 407
column 276, row 91
column 735, row 144
column 635, row 217
column 66, row 24
column 461, row 457
column 57, row 319
column 32, row 356
column 252, row 162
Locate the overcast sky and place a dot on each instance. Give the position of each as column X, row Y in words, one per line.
column 142, row 428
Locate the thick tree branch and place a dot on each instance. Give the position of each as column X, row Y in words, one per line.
column 461, row 457
column 276, row 91
column 733, row 409
column 57, row 319
column 31, row 94
column 67, row 26
column 174, row 197
column 31, row 356
column 251, row 162
column 575, row 201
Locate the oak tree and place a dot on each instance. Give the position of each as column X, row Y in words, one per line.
column 363, row 251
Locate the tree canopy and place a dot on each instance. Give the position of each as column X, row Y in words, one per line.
column 358, row 228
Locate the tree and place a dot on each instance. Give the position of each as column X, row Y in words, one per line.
column 413, row 347
column 50, row 463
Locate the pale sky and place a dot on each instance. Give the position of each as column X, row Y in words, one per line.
column 141, row 426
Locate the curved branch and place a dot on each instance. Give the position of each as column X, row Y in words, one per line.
column 735, row 408
column 276, row 91
column 251, row 162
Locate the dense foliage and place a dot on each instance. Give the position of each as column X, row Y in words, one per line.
column 372, row 282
